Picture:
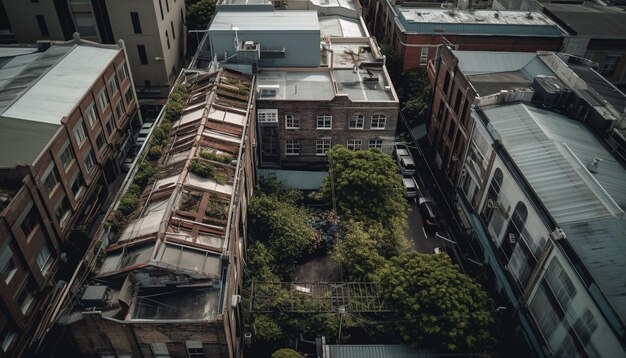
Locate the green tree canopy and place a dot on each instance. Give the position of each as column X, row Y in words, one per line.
column 368, row 189
column 199, row 13
column 357, row 253
column 283, row 228
column 435, row 302
column 414, row 93
column 286, row 353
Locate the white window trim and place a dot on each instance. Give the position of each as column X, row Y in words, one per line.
column 297, row 145
column 370, row 146
column 355, row 143
column 294, row 118
column 102, row 94
column 378, row 121
column 362, row 121
column 317, row 144
column 80, row 126
column 267, row 115
column 325, row 118
column 69, row 165
column 50, row 171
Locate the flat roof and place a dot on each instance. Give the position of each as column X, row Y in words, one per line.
column 476, row 22
column 346, row 4
column 589, row 20
column 278, row 20
column 552, row 151
column 297, row 86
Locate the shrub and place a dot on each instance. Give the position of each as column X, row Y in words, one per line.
column 286, row 353
column 166, row 126
column 173, row 110
column 145, row 174
column 128, row 204
column 159, row 135
column 154, row 153
column 117, row 221
column 201, row 169
column 135, row 190
column 217, row 157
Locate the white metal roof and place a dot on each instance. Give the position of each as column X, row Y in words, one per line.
column 61, row 88
column 265, row 20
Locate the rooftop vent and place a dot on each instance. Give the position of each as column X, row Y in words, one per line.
column 96, row 296
column 593, row 166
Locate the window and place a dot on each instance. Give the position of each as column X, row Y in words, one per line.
column 159, row 350
column 8, row 268
column 129, row 95
column 324, row 121
column 109, row 125
column 92, row 117
column 112, row 85
column 78, row 184
column 322, row 146
column 585, row 326
column 167, row 5
column 80, row 132
column 267, row 116
column 194, row 349
column 119, row 110
column 356, row 121
column 354, row 144
column 44, row 257
column 173, row 32
column 26, row 298
column 543, row 312
column 134, row 17
column 51, row 180
column 85, row 25
column 123, row 72
column 378, row 121
column 61, row 211
column 167, row 39
column 8, row 335
column 292, row 121
column 161, row 8
column 43, row 28
column 104, row 101
column 89, row 161
column 30, row 222
column 608, row 66
column 67, row 156
column 100, row 142
column 292, row 148
column 376, row 143
column 561, row 284
column 424, row 55
column 143, row 56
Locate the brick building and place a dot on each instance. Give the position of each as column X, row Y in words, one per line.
column 311, row 95
column 416, row 33
column 167, row 280
column 65, row 118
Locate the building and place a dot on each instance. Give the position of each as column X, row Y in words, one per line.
column 417, row 33
column 167, row 279
column 545, row 200
column 66, row 113
column 533, row 153
column 595, row 32
column 153, row 32
column 311, row 93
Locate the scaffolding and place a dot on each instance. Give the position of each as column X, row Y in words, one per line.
column 303, row 297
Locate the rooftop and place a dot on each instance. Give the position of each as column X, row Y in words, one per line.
column 589, row 20
column 552, row 152
column 38, row 89
column 439, row 21
column 278, row 20
column 491, row 72
column 180, row 227
column 340, row 26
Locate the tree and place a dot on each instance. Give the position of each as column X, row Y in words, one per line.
column 357, row 253
column 369, row 190
column 435, row 302
column 414, row 92
column 286, row 353
column 283, row 228
column 199, row 14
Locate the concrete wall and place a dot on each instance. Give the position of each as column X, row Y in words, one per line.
column 22, row 16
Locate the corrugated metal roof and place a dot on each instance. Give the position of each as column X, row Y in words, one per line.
column 476, row 22
column 601, row 245
column 539, row 143
column 276, row 20
column 590, row 21
column 482, row 62
column 377, row 351
column 552, row 151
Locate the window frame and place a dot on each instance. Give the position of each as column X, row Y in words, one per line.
column 52, row 172
column 91, row 114
column 267, row 115
column 91, row 158
column 326, row 121
column 377, row 117
column 323, row 143
column 292, row 148
column 9, row 268
column 295, row 118
column 374, row 144
column 356, row 118
column 103, row 100
column 80, row 132
column 136, row 22
column 66, row 156
column 113, row 85
column 357, row 144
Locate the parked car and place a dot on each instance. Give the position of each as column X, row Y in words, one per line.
column 404, row 158
column 411, row 187
column 430, row 215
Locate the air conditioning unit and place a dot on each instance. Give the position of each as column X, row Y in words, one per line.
column 235, row 300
